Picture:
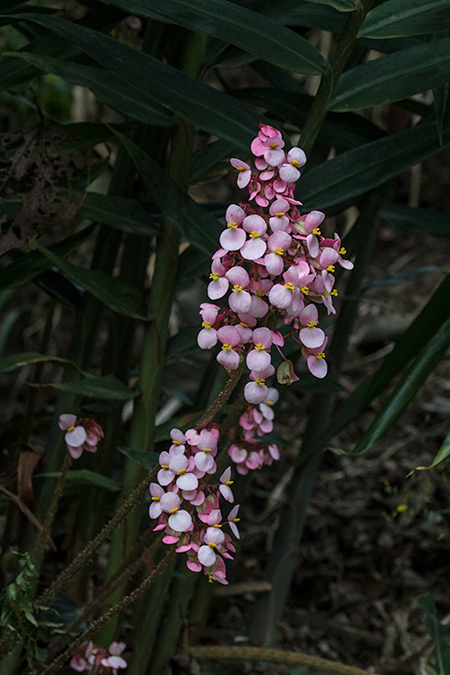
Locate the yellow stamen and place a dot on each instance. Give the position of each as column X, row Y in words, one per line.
column 155, row 499
column 236, row 520
column 226, row 347
column 206, row 324
column 232, row 224
column 70, row 428
column 207, row 450
column 177, row 442
column 334, row 292
column 254, row 234
column 268, row 402
column 305, row 290
column 273, row 146
column 245, row 325
column 164, row 466
column 320, row 355
column 260, row 381
column 278, row 251
column 280, row 214
column 210, row 543
column 342, row 251
column 290, row 286
column 174, row 510
column 229, row 482
column 295, row 162
column 311, row 324
column 218, row 525
column 260, row 293
column 317, row 231
column 214, row 276
column 181, row 472
column 237, row 288
column 331, row 268
column 241, row 168
column 259, row 347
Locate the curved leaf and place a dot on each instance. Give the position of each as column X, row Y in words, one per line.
column 87, row 477
column 106, row 85
column 342, row 179
column 121, row 213
column 420, row 221
column 107, row 388
column 340, row 5
column 408, row 387
column 406, row 17
column 393, row 77
column 443, row 453
column 10, row 363
column 199, row 103
column 111, row 291
column 194, row 222
column 239, row 26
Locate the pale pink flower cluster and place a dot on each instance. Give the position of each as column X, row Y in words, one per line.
column 186, row 503
column 247, row 451
column 81, row 434
column 90, row 658
column 274, row 262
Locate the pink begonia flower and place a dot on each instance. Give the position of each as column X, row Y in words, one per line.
column 311, row 336
column 257, row 391
column 165, row 476
column 281, row 295
column 218, row 571
column 266, row 407
column 233, row 519
column 233, row 238
column 279, row 220
column 79, row 663
column 289, row 171
column 224, row 488
column 115, row 661
column 207, row 338
column 315, row 360
column 244, row 330
column 254, row 247
column 259, row 357
column 273, row 153
column 204, row 459
column 239, row 299
column 179, row 519
column 278, row 243
column 180, row 466
column 230, row 337
column 218, row 285
column 178, row 441
column 213, row 538
column 156, row 492
column 75, row 436
column 245, row 172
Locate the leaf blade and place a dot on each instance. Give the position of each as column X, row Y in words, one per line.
column 399, row 18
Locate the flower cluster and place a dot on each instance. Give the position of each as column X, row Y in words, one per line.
column 81, row 434
column 273, row 263
column 186, row 502
column 247, row 451
column 91, row 658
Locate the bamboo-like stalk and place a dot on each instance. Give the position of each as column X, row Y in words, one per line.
column 280, row 656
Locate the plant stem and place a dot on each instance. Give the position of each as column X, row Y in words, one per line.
column 57, row 494
column 93, row 628
column 222, row 397
column 273, row 656
column 334, row 70
column 86, row 554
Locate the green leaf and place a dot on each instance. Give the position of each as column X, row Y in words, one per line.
column 111, row 291
column 407, row 388
column 86, row 477
column 419, row 221
column 31, row 264
column 239, row 26
column 199, row 103
column 393, row 77
column 14, row 73
column 420, row 332
column 406, row 17
column 440, row 101
column 106, row 85
column 107, row 388
column 439, row 634
column 443, row 453
column 10, row 363
column 194, row 222
column 340, row 5
column 354, row 172
column 121, row 213
column 146, row 459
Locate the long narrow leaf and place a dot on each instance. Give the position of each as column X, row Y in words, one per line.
column 353, row 173
column 107, row 86
column 393, row 77
column 121, row 213
column 420, row 221
column 408, row 387
column 200, row 104
column 107, row 388
column 340, row 5
column 406, row 17
column 444, row 452
column 194, row 223
column 10, row 363
column 239, row 26
column 421, row 331
column 111, row 291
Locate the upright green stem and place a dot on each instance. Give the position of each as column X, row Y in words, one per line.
column 334, row 70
